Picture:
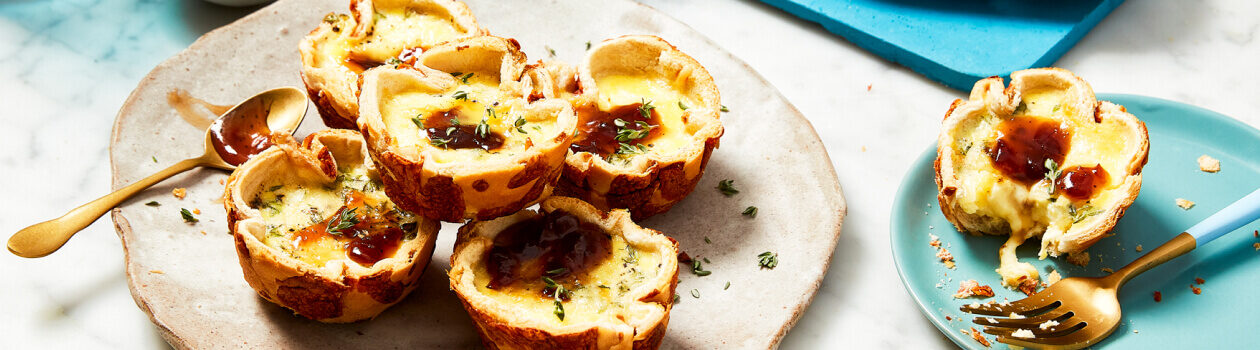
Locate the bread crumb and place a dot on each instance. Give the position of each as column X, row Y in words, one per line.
column 1209, row 164
column 971, row 288
column 947, row 318
column 1048, row 324
column 203, row 232
column 1015, row 316
column 942, row 253
column 1198, row 280
column 1184, row 203
column 1158, row 297
column 1027, row 286
column 1079, row 258
column 1196, row 290
column 1022, row 333
column 196, row 211
column 863, row 148
column 1139, row 248
column 978, row 337
column 868, row 88
column 157, row 272
column 221, row 182
column 1053, row 277
column 1256, row 245
column 1108, row 270
column 179, row 192
column 1256, row 234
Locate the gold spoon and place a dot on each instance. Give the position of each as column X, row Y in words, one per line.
column 230, row 140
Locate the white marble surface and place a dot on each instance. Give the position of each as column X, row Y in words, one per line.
column 67, row 66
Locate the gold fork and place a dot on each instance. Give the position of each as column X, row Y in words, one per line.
column 1078, row 312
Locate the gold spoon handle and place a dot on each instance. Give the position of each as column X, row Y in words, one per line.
column 46, row 237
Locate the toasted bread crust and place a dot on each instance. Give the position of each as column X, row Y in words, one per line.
column 468, row 189
column 990, row 97
column 335, row 91
column 500, row 327
column 344, row 293
column 653, row 185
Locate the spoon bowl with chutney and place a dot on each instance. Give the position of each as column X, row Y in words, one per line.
column 238, row 134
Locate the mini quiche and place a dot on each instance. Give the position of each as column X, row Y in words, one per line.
column 647, row 124
column 1041, row 157
column 315, row 232
column 567, row 277
column 376, row 32
column 460, row 134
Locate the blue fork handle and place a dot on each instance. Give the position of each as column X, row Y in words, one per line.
column 1241, row 212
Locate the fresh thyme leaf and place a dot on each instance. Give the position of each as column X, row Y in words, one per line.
column 274, row 188
column 1081, row 213
column 724, row 109
column 750, row 211
column 519, row 124
column 344, row 220
column 695, row 293
column 645, row 109
column 1056, row 108
column 394, row 61
column 698, row 269
column 483, row 128
column 676, row 299
column 625, row 148
column 153, row 204
column 604, row 287
column 188, row 215
column 460, row 95
column 682, row 106
column 768, row 260
column 465, row 78
column 418, row 121
column 454, row 121
column 439, row 142
column 456, row 74
column 728, row 285
column 625, row 133
column 331, row 18
column 630, row 258
column 1021, row 108
column 588, row 46
column 154, row 159
column 559, row 310
column 706, row 240
column 727, row 187
column 706, row 260
column 1052, row 174
column 559, row 271
column 551, row 51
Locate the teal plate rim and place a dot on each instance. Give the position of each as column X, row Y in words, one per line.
column 921, row 171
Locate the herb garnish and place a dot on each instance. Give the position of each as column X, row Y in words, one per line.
column 344, row 220
column 465, row 78
column 154, row 159
column 1053, row 174
column 1021, row 108
column 625, row 133
column 438, row 142
column 698, row 269
column 682, row 106
column 483, row 128
column 727, row 187
column 1083, row 212
column 724, row 109
column 418, row 121
column 588, row 46
column 728, row 285
column 188, row 215
column 559, row 271
column 768, row 260
column 393, row 61
column 625, row 148
column 645, row 109
column 460, row 95
column 153, row 203
column 695, row 293
column 551, row 51
column 558, row 292
column 706, row 240
column 750, row 211
column 520, row 122
column 330, row 18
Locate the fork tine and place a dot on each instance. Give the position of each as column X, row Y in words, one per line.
column 1076, row 339
column 1056, row 331
column 1056, row 315
column 1030, row 306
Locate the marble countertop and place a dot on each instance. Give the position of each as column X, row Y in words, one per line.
column 67, row 66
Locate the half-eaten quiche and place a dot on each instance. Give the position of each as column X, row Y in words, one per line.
column 569, row 276
column 460, row 134
column 648, row 122
column 315, row 232
column 1039, row 158
column 375, row 32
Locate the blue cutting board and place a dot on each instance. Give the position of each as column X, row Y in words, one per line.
column 961, row 41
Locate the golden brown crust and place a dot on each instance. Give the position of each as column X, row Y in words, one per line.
column 339, row 291
column 334, row 88
column 990, row 98
column 470, row 188
column 506, row 327
column 649, row 184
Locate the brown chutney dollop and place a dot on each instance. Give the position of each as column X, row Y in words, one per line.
column 557, row 245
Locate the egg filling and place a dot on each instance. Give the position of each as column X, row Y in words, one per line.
column 634, row 115
column 319, row 224
column 396, row 32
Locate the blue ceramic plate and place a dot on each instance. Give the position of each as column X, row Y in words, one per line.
column 1223, row 316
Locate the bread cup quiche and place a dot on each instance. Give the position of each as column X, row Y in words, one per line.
column 1039, row 158
column 567, row 277
column 648, row 122
column 375, row 32
column 460, row 134
column 315, row 233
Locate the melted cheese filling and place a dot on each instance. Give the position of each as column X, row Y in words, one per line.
column 621, row 90
column 393, row 31
column 1033, row 211
column 481, row 95
column 602, row 294
column 288, row 208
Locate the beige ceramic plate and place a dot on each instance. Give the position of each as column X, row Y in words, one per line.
column 187, row 276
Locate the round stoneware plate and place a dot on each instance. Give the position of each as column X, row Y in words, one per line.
column 186, row 276
column 1222, row 316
